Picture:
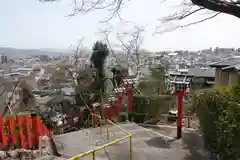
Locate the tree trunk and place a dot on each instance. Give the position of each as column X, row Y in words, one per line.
column 101, row 105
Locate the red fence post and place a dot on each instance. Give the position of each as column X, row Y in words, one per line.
column 35, row 130
column 40, row 126
column 112, row 109
column 106, row 112
column 3, row 131
column 21, row 137
column 12, row 129
column 46, row 131
column 81, row 115
column 130, row 97
column 28, row 130
column 120, row 102
column 109, row 112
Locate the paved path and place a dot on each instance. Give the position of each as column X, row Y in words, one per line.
column 147, row 144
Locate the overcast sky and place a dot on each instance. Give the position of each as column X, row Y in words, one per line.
column 31, row 24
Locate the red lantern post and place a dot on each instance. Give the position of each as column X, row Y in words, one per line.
column 180, row 92
column 119, row 94
column 112, row 101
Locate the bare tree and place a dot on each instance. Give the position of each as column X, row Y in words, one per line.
column 20, row 97
column 106, row 32
column 130, row 44
column 190, row 7
column 65, row 71
column 78, row 52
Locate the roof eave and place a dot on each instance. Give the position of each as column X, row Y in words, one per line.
column 217, row 66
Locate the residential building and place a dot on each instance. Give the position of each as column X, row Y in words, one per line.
column 202, row 77
column 227, row 71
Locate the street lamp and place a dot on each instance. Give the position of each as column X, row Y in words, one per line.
column 180, row 90
column 129, row 82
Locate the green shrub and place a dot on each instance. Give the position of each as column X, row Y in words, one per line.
column 218, row 111
column 147, row 107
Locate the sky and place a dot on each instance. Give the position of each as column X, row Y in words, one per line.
column 35, row 25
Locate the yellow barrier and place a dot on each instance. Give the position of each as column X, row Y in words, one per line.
column 92, row 151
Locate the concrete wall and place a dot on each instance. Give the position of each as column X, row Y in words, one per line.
column 224, row 78
column 218, row 77
column 233, row 77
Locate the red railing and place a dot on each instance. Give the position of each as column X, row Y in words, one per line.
column 21, row 131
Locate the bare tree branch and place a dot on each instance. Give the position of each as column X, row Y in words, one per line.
column 78, row 50
column 7, row 107
column 106, row 33
column 231, row 7
column 131, row 46
column 162, row 29
column 85, row 6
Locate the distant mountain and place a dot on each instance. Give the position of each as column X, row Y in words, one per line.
column 13, row 52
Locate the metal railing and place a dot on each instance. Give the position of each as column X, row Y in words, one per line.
column 93, row 151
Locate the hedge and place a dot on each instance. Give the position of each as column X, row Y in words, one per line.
column 218, row 111
column 152, row 105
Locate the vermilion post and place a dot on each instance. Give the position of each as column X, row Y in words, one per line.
column 81, row 115
column 115, row 103
column 21, row 137
column 3, row 131
column 28, row 130
column 120, row 102
column 12, row 129
column 35, row 130
column 112, row 109
column 109, row 113
column 180, row 96
column 106, row 112
column 40, row 128
column 130, row 98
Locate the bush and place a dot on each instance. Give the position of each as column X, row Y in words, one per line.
column 218, row 111
column 152, row 106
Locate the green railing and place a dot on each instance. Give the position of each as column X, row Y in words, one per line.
column 93, row 151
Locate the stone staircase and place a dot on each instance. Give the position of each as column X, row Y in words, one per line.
column 147, row 145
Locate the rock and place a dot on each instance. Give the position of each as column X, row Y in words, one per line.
column 36, row 153
column 25, row 153
column 3, row 155
column 47, row 146
column 13, row 153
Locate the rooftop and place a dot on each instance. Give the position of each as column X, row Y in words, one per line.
column 226, row 62
column 196, row 72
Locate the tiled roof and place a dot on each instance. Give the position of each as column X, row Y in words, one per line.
column 235, row 66
column 197, row 72
column 200, row 72
column 226, row 62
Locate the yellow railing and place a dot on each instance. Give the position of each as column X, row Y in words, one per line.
column 92, row 151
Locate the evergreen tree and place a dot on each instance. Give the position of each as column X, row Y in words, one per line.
column 98, row 57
